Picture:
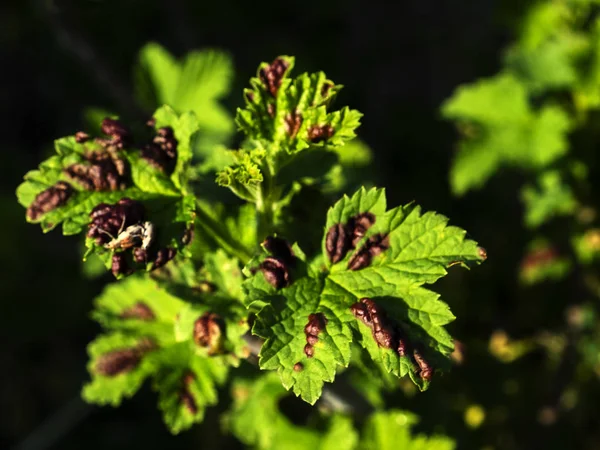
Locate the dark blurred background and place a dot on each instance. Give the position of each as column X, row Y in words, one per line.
column 398, row 61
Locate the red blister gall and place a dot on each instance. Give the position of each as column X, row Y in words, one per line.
column 309, row 350
column 337, row 243
column 185, row 394
column 272, row 75
column 425, row 369
column 276, row 272
column 140, row 311
column 49, row 199
column 117, row 362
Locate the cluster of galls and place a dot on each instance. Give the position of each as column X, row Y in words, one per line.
column 49, row 199
column 103, row 170
column 209, row 332
column 161, row 152
column 123, row 360
column 389, row 335
column 343, row 237
column 272, row 75
column 316, row 324
column 107, row 224
column 277, row 268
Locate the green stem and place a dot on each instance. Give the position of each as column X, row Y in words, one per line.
column 216, row 230
column 265, row 203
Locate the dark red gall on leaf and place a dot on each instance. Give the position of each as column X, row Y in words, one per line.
column 325, row 88
column 47, row 200
column 312, row 339
column 208, row 331
column 316, row 324
column 280, row 249
column 140, row 255
column 188, row 235
column 185, row 394
column 298, row 367
column 401, row 347
column 358, row 226
column 119, row 133
column 140, row 311
column 117, row 362
column 81, row 137
column 360, row 259
column 123, row 360
column 272, row 75
column 374, row 246
column 292, row 123
column 384, row 337
column 109, row 220
column 119, row 265
column 101, row 171
column 162, row 151
column 482, row 253
column 163, row 256
column 378, row 244
column 337, row 243
column 309, row 350
column 276, row 272
column 425, row 369
column 320, row 133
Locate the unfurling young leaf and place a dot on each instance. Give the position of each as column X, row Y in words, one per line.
column 369, row 283
column 291, row 132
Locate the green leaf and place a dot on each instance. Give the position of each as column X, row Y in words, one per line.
column 53, row 195
column 391, row 430
column 195, row 84
column 420, row 248
column 552, row 198
column 290, row 111
column 225, row 273
column 112, row 389
column 153, row 333
column 500, row 128
column 549, row 48
column 282, row 325
column 186, row 385
column 256, row 420
column 137, row 305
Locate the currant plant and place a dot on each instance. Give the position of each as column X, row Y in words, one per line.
column 214, row 280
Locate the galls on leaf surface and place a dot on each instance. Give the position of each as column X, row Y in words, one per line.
column 390, row 335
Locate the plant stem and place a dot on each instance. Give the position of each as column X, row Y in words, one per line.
column 215, row 230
